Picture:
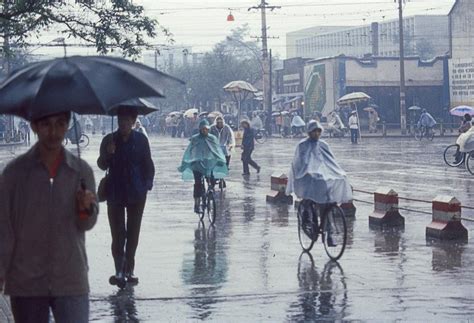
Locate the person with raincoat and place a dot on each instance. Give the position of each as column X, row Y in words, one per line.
column 203, row 158
column 315, row 174
column 297, row 125
column 335, row 126
column 465, row 140
column 373, row 119
column 140, row 128
column 225, row 136
column 426, row 120
column 256, row 122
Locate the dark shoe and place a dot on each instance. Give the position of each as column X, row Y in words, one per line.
column 132, row 279
column 258, row 169
column 330, row 241
column 197, row 209
column 245, row 174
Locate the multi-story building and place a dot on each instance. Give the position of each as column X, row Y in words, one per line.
column 461, row 69
column 425, row 36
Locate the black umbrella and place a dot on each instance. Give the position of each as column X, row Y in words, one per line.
column 140, row 105
column 82, row 84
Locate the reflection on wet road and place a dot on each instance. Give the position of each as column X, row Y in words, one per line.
column 250, row 267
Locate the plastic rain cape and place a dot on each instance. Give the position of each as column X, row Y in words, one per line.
column 205, row 156
column 466, row 141
column 315, row 174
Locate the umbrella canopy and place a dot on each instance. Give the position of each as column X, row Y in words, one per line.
column 277, row 113
column 142, row 106
column 414, row 108
column 202, row 114
column 238, row 86
column 353, row 98
column 215, row 114
column 82, row 84
column 174, row 113
column 190, row 112
column 461, row 110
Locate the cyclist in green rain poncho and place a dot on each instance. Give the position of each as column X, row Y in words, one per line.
column 203, row 157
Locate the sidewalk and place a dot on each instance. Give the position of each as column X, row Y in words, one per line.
column 391, row 133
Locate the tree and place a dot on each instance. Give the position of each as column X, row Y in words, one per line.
column 231, row 59
column 105, row 24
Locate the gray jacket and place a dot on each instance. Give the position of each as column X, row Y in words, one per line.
column 42, row 239
column 225, row 135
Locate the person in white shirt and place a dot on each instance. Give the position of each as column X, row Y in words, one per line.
column 354, row 126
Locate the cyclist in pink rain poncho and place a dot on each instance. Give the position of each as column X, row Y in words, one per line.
column 203, row 157
column 315, row 174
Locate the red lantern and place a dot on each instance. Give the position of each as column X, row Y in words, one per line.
column 230, row 17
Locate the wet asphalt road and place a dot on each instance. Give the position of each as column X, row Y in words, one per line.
column 250, row 267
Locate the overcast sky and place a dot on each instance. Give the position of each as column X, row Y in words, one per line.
column 202, row 23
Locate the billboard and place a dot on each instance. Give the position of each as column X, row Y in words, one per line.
column 461, row 81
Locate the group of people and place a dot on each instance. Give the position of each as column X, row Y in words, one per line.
column 48, row 201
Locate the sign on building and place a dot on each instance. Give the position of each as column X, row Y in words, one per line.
column 461, row 81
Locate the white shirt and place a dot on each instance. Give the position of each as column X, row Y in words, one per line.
column 353, row 123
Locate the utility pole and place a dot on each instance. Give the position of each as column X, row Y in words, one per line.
column 267, row 95
column 403, row 112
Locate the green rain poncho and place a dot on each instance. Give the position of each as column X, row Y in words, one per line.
column 204, row 155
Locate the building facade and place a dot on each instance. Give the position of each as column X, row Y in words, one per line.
column 425, row 36
column 327, row 79
column 461, row 65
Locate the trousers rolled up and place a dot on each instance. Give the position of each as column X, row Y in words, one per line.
column 125, row 234
column 247, row 160
column 354, row 135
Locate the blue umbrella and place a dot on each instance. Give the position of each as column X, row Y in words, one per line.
column 461, row 110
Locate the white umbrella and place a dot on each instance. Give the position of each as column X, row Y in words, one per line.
column 239, row 86
column 414, row 108
column 353, row 97
column 190, row 112
column 240, row 91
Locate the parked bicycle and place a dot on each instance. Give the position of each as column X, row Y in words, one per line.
column 261, row 136
column 424, row 132
column 83, row 140
column 327, row 220
column 208, row 201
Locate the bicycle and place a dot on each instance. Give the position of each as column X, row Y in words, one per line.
column 83, row 140
column 425, row 132
column 261, row 136
column 208, row 201
column 470, row 162
column 331, row 224
column 453, row 157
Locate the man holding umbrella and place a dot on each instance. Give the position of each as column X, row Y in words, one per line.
column 46, row 205
column 127, row 157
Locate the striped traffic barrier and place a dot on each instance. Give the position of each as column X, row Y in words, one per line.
column 278, row 183
column 386, row 212
column 446, row 222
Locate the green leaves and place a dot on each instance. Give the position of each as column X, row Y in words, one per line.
column 116, row 25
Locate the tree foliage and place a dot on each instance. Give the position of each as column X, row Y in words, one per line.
column 105, row 24
column 230, row 60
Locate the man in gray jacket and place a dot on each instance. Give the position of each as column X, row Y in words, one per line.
column 225, row 135
column 46, row 205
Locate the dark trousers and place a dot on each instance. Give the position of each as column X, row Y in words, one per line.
column 354, row 135
column 125, row 234
column 36, row 309
column 247, row 160
column 198, row 185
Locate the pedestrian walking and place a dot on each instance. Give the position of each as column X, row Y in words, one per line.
column 248, row 145
column 225, row 136
column 127, row 157
column 44, row 213
column 373, row 119
column 354, row 126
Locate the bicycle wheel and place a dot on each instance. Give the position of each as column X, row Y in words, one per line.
column 307, row 225
column 211, row 208
column 470, row 162
column 260, row 137
column 334, row 232
column 418, row 134
column 84, row 141
column 430, row 135
column 452, row 156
